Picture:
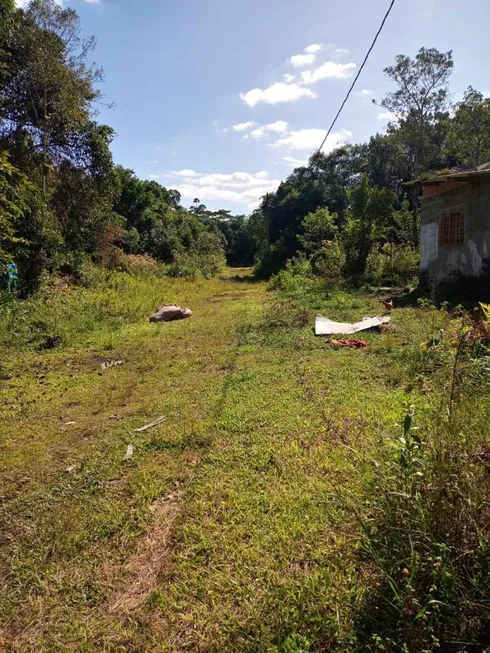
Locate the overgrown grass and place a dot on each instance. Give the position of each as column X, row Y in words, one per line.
column 271, row 510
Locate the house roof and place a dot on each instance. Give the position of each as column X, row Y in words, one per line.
column 481, row 171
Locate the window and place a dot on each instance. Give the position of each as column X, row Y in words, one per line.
column 451, row 229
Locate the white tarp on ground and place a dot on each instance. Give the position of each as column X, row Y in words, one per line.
column 326, row 327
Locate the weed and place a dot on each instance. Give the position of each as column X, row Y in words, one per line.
column 425, row 523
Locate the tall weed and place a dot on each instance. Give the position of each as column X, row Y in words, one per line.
column 425, row 522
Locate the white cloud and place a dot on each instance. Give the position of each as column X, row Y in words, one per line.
column 185, row 173
column 279, row 127
column 293, row 87
column 364, row 92
column 231, row 180
column 329, row 69
column 306, row 59
column 299, row 60
column 341, row 52
column 237, row 187
column 311, row 139
column 386, row 115
column 278, row 92
column 250, row 197
column 244, row 126
column 313, row 48
column 291, row 161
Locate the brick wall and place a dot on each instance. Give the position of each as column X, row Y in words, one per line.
column 472, row 198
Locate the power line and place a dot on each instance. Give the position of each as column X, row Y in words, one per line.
column 357, row 76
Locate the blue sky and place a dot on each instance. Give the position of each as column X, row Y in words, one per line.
column 212, row 98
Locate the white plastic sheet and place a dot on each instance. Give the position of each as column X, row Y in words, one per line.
column 326, row 327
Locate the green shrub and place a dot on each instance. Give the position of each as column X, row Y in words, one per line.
column 329, row 262
column 426, row 520
column 393, row 264
column 206, row 258
column 319, row 228
column 192, row 265
column 101, row 303
column 296, row 276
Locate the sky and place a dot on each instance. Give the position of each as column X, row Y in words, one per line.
column 222, row 99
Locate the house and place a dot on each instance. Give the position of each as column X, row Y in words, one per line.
column 455, row 233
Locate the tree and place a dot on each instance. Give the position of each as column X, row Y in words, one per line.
column 198, row 209
column 319, row 227
column 257, row 229
column 469, row 132
column 143, row 205
column 237, row 238
column 324, row 183
column 420, row 104
column 369, row 213
column 14, row 188
column 83, row 194
column 406, row 225
column 49, row 89
column 7, row 22
column 87, row 207
column 386, row 165
column 422, row 84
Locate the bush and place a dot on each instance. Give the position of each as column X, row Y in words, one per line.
column 102, row 302
column 197, row 263
column 139, row 264
column 184, row 266
column 272, row 261
column 296, row 276
column 319, row 228
column 329, row 262
column 426, row 521
column 393, row 264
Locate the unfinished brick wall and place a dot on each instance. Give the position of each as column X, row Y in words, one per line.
column 470, row 258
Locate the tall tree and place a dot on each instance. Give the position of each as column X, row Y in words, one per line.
column 7, row 21
column 84, row 190
column 50, row 87
column 420, row 103
column 14, row 188
column 469, row 132
column 369, row 213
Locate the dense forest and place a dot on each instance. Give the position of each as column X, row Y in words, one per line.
column 63, row 200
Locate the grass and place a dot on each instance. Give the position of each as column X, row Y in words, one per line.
column 234, row 526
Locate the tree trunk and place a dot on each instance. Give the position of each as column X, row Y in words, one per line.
column 45, row 142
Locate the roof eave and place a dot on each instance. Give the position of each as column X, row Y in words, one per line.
column 457, row 176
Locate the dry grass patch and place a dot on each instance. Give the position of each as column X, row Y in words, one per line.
column 144, row 568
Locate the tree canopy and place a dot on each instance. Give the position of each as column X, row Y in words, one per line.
column 63, row 200
column 361, row 187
